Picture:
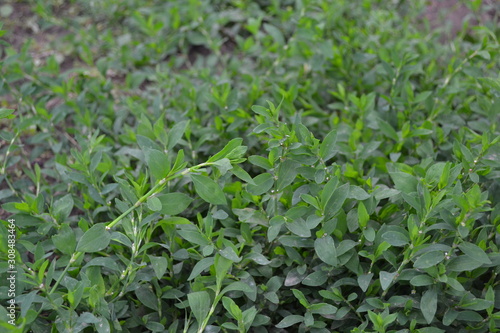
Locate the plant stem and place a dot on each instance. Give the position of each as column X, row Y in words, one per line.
column 210, row 312
column 74, row 258
column 156, row 189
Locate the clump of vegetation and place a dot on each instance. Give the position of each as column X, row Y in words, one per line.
column 249, row 166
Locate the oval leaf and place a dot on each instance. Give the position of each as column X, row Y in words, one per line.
column 208, row 190
column 95, row 239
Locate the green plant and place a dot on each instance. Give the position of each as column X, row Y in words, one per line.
column 248, row 166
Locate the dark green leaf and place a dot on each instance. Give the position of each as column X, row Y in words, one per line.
column 174, row 203
column 200, row 266
column 386, row 279
column 157, row 162
column 65, row 239
column 475, row 252
column 176, row 133
column 95, row 239
column 289, row 321
column 286, row 174
column 263, row 184
column 395, row 238
column 326, row 251
column 428, row 304
column 336, row 201
column 429, row 259
column 228, row 148
column 154, row 204
column 147, row 297
column 160, row 265
column 199, row 302
column 364, row 281
column 208, row 190
column 327, row 148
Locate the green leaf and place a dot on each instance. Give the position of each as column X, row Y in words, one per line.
column 356, row 192
column 395, row 238
column 328, row 190
column 174, row 203
column 200, row 266
column 63, row 207
column 323, row 309
column 263, row 184
column 289, row 321
column 146, row 296
column 6, row 113
column 176, row 133
column 65, row 239
column 299, row 228
column 300, row 297
column 326, row 251
column 157, row 162
column 262, row 111
column 369, row 234
column 364, row 281
column 428, row 304
column 222, row 266
column 462, row 264
column 95, row 239
column 228, row 148
column 193, row 235
column 386, row 279
column 363, row 216
column 422, row 280
column 286, row 174
column 159, row 264
column 327, row 148
column 475, row 252
column 388, row 130
column 229, row 253
column 242, row 174
column 154, row 204
column 236, row 286
column 336, row 201
column 434, row 173
column 404, row 182
column 232, row 308
column 315, row 279
column 208, row 190
column 224, row 165
column 429, row 259
column 454, row 284
column 249, row 317
column 199, row 302
column 275, row 33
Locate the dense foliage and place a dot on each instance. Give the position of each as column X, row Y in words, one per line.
column 251, row 166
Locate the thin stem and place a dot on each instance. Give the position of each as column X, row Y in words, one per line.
column 156, row 189
column 74, row 258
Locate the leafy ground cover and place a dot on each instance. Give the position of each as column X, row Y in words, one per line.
column 250, row 166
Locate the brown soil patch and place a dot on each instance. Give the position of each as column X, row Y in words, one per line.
column 453, row 13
